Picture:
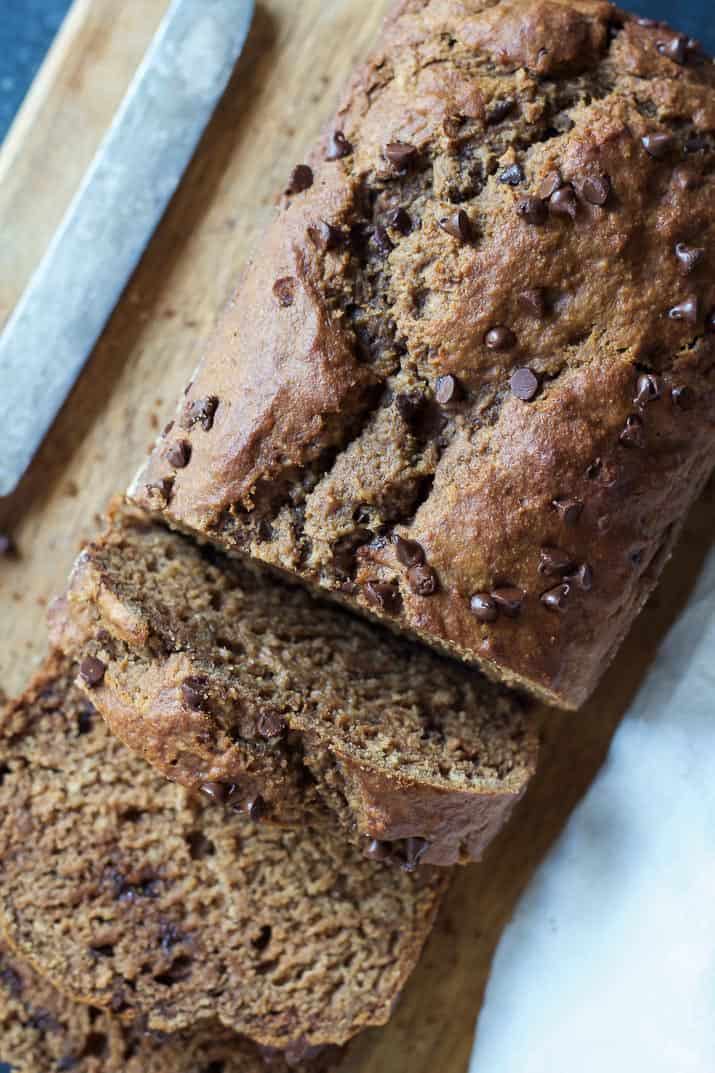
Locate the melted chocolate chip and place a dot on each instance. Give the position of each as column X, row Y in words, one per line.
column 512, row 175
column 500, row 338
column 555, row 562
column 483, row 607
column 408, row 552
column 675, row 49
column 400, row 154
column 595, row 189
column 555, row 599
column 563, row 202
column 499, row 110
column 178, row 454
column 533, row 301
column 223, row 793
column 422, row 579
column 683, row 398
column 383, row 595
column 457, row 225
column 415, row 849
column 508, row 599
column 524, row 384
column 378, row 851
column 657, row 144
column 633, row 434
column 338, row 146
column 284, row 291
column 193, row 692
column 532, row 210
column 447, row 389
column 401, row 220
column 687, row 311
column 271, row 725
column 200, row 412
column 688, row 256
column 256, row 808
column 301, row 179
column 648, row 389
column 569, row 510
column 92, row 671
column 325, row 237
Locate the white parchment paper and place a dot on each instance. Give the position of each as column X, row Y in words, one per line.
column 609, row 963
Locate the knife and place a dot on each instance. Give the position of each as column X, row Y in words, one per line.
column 111, row 219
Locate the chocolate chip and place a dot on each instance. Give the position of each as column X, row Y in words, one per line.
column 648, row 389
column 458, row 225
column 657, row 144
column 422, row 580
column 415, row 849
column 382, row 240
column 193, row 692
column 499, row 338
column 513, row 175
column 92, row 671
column 383, row 595
column 400, row 154
column 178, row 454
column 569, row 510
column 483, row 607
column 401, row 220
column 220, row 792
column 563, row 202
column 499, row 110
column 524, row 384
column 325, row 237
column 632, row 435
column 270, row 725
column 533, row 301
column 508, row 599
column 284, row 290
column 532, row 210
column 593, row 470
column 683, row 398
column 688, row 255
column 447, row 389
column 675, row 49
column 696, row 143
column 687, row 310
column 595, row 189
column 256, row 808
column 408, row 552
column 338, row 146
column 549, row 185
column 583, row 577
column 554, row 562
column 378, row 851
column 301, row 179
column 201, row 412
column 555, row 599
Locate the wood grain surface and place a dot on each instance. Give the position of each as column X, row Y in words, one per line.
column 285, row 86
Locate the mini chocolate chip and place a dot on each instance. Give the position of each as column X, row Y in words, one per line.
column 325, row 237
column 648, row 389
column 338, row 146
column 633, row 435
column 378, row 851
column 683, row 398
column 457, row 225
column 499, row 110
column 563, row 202
column 408, row 552
column 569, row 510
column 688, row 255
column 657, row 144
column 595, row 189
column 508, row 599
column 555, row 599
column 284, row 290
column 532, row 210
column 687, row 310
column 400, row 154
column 256, row 808
column 220, row 792
column 524, row 384
column 200, row 412
column 92, row 671
column 675, row 49
column 301, row 179
column 583, row 577
column 499, row 338
column 382, row 240
column 513, row 175
column 555, row 562
column 270, row 725
column 401, row 220
column 422, row 580
column 193, row 692
column 533, row 301
column 384, row 595
column 178, row 454
column 549, row 185
column 415, row 849
column 447, row 389
column 483, row 607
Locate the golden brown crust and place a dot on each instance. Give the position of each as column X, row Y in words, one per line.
column 558, row 247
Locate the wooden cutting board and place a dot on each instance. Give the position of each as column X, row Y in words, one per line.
column 284, row 88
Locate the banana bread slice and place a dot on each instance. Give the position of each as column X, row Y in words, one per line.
column 42, row 1031
column 129, row 895
column 468, row 384
column 229, row 680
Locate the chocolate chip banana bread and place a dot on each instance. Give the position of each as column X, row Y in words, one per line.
column 468, row 384
column 129, row 895
column 41, row 1031
column 292, row 710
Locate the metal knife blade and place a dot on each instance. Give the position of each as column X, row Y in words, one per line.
column 106, row 228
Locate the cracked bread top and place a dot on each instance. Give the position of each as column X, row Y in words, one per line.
column 468, row 384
